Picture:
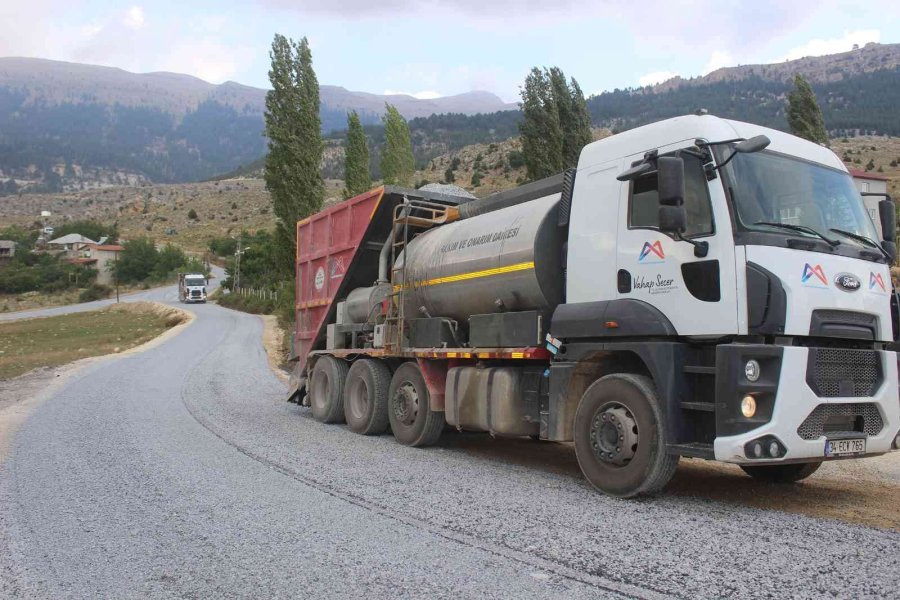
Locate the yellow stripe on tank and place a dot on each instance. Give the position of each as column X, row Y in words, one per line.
column 473, row 275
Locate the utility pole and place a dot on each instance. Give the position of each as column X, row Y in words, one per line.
column 116, row 274
column 238, row 252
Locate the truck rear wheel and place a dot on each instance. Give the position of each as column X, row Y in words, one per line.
column 409, row 408
column 326, row 389
column 782, row 473
column 366, row 396
column 620, row 437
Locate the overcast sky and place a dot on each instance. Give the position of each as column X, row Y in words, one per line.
column 442, row 47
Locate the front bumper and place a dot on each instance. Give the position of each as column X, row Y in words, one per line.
column 795, row 401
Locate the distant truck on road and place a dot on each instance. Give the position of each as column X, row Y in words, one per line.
column 697, row 287
column 191, row 287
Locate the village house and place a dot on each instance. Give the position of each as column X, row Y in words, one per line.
column 101, row 257
column 7, row 251
column 872, row 183
column 70, row 244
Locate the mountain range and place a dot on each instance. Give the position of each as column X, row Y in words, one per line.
column 73, row 126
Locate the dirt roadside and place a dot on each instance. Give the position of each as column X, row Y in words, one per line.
column 272, row 342
column 21, row 395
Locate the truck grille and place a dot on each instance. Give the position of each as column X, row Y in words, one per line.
column 860, row 417
column 843, row 373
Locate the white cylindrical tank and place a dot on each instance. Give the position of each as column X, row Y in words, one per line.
column 509, row 259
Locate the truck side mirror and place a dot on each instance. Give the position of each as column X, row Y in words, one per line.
column 888, row 216
column 672, row 219
column 891, row 249
column 670, row 186
column 670, row 180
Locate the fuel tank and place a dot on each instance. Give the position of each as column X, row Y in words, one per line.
column 506, row 260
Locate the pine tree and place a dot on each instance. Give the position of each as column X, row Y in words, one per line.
column 293, row 128
column 356, row 158
column 397, row 162
column 803, row 113
column 542, row 135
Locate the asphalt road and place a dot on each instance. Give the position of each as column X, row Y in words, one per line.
column 179, row 472
column 167, row 293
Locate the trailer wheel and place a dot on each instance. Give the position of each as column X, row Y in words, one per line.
column 326, row 389
column 409, row 409
column 782, row 473
column 366, row 396
column 620, row 437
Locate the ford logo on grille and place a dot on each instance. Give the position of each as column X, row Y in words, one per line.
column 847, row 282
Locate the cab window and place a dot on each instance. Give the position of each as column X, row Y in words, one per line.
column 643, row 201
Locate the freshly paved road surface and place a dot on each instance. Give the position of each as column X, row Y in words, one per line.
column 180, row 472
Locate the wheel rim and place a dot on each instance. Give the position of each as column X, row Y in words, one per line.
column 320, row 389
column 359, row 399
column 614, row 434
column 405, row 404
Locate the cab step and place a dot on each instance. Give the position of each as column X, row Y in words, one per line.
column 701, row 406
column 692, row 450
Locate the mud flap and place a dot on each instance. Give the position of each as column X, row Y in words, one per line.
column 297, row 385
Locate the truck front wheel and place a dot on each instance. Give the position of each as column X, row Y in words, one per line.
column 620, row 437
column 409, row 408
column 782, row 473
column 366, row 396
column 326, row 389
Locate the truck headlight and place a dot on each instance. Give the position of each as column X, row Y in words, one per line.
column 751, row 370
column 748, row 406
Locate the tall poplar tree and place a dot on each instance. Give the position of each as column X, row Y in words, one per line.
column 397, row 162
column 293, row 128
column 356, row 158
column 556, row 123
column 542, row 135
column 803, row 113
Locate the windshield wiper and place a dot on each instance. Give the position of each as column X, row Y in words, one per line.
column 863, row 239
column 802, row 229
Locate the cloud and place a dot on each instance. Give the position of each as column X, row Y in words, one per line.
column 718, row 60
column 350, row 9
column 820, row 47
column 423, row 95
column 134, row 17
column 656, row 77
column 206, row 58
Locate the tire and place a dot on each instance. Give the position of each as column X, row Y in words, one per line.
column 782, row 473
column 409, row 408
column 326, row 389
column 366, row 397
column 637, row 463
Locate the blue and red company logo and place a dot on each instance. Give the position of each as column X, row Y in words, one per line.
column 814, row 275
column 655, row 249
column 876, row 279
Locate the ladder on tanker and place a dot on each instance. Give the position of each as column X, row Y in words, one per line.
column 420, row 215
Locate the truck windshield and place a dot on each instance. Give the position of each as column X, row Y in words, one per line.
column 194, row 281
column 773, row 188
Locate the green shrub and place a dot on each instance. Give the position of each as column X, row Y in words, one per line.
column 95, row 291
column 515, row 159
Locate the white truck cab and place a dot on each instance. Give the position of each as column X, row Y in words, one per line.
column 775, row 284
column 191, row 287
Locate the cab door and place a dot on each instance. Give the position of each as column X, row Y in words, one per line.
column 696, row 293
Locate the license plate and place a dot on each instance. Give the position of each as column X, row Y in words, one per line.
column 845, row 447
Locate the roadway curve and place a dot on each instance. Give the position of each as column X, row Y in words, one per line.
column 167, row 293
column 180, row 472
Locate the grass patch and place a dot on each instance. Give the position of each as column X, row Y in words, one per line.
column 55, row 341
